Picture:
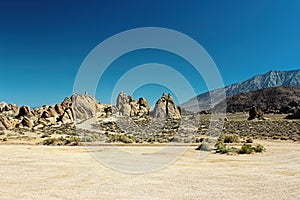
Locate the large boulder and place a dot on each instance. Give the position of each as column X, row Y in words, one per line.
column 24, row 111
column 166, row 108
column 123, row 104
column 5, row 123
column 59, row 109
column 2, row 106
column 255, row 113
column 83, row 107
column 50, row 112
column 13, row 108
column 27, row 123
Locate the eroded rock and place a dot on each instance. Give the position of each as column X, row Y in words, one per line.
column 166, row 108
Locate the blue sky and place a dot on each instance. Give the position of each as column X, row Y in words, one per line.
column 43, row 43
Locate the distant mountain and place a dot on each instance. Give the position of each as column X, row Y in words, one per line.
column 283, row 99
column 268, row 80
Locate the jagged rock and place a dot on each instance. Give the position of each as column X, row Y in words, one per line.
column 123, row 104
column 59, row 109
column 67, row 117
column 255, row 113
column 40, row 111
column 84, row 107
column 50, row 112
column 14, row 109
column 127, row 106
column 24, row 111
column 108, row 110
column 9, row 110
column 144, row 108
column 2, row 106
column 26, row 122
column 5, row 122
column 166, row 108
column 67, row 103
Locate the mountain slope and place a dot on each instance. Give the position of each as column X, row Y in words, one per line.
column 268, row 80
column 283, row 99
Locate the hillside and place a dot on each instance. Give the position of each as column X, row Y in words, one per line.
column 283, row 99
column 268, row 80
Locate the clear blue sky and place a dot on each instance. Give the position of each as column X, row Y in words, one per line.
column 43, row 43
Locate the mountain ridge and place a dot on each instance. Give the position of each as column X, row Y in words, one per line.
column 270, row 79
column 282, row 99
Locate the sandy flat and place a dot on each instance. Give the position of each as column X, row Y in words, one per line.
column 41, row 172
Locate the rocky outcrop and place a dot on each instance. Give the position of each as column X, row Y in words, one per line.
column 9, row 110
column 255, row 113
column 27, row 123
column 127, row 106
column 83, row 107
column 24, row 111
column 123, row 104
column 5, row 123
column 2, row 106
column 166, row 108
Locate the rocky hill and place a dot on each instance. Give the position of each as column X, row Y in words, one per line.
column 283, row 99
column 268, row 80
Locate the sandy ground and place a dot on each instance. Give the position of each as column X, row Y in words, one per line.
column 43, row 172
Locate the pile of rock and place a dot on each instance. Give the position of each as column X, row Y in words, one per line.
column 76, row 108
column 166, row 108
column 127, row 106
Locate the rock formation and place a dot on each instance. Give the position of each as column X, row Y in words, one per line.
column 2, row 106
column 24, row 111
column 123, row 104
column 83, row 106
column 127, row 106
column 255, row 113
column 5, row 123
column 166, row 108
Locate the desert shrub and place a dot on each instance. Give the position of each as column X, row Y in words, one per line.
column 203, row 147
column 220, row 144
column 61, row 141
column 222, row 148
column 50, row 141
column 225, row 149
column 232, row 138
column 120, row 138
column 246, row 149
column 72, row 141
column 259, row 148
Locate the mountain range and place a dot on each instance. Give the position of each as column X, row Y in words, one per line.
column 270, row 79
column 282, row 99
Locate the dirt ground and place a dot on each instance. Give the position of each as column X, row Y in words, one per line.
column 44, row 172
